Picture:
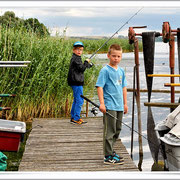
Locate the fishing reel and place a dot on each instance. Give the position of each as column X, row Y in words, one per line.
column 91, row 64
column 94, row 111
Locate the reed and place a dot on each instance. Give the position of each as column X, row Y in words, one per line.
column 41, row 88
column 93, row 45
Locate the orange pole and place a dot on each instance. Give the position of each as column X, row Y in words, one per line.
column 171, row 64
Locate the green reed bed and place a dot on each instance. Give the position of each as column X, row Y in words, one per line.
column 41, row 88
column 93, row 45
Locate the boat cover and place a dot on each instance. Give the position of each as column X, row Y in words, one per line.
column 173, row 118
column 12, row 126
column 176, row 130
column 173, row 122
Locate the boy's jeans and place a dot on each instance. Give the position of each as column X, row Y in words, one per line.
column 77, row 103
column 112, row 129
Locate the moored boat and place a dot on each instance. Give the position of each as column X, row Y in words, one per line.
column 168, row 132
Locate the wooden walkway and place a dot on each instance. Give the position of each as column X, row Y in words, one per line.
column 62, row 146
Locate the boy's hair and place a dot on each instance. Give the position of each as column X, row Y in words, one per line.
column 114, row 47
column 75, row 47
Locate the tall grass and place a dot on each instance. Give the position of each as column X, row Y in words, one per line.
column 41, row 88
column 93, row 45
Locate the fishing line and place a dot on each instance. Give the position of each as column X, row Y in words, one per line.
column 33, row 128
column 128, row 126
column 117, row 31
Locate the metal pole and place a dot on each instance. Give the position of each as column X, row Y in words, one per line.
column 178, row 47
column 171, row 64
column 132, row 128
column 12, row 65
column 15, row 62
column 136, row 53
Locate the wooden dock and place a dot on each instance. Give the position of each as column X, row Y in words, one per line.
column 62, row 146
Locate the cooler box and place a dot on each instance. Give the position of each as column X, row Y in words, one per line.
column 11, row 134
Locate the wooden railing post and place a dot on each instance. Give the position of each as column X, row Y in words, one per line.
column 87, row 108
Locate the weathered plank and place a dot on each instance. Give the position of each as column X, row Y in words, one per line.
column 61, row 146
column 161, row 104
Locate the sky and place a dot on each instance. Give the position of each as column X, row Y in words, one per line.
column 96, row 18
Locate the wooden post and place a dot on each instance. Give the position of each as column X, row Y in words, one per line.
column 66, row 107
column 87, row 108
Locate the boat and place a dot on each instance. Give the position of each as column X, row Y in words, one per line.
column 11, row 135
column 168, row 132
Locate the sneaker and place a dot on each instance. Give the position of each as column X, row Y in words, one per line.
column 83, row 122
column 75, row 122
column 108, row 160
column 117, row 160
column 112, row 160
column 119, row 157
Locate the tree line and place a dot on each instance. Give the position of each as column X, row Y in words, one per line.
column 9, row 20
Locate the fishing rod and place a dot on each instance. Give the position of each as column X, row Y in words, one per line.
column 111, row 115
column 116, row 32
column 125, row 125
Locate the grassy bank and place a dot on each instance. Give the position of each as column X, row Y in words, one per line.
column 41, row 88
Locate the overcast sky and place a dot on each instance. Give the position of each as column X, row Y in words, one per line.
column 97, row 18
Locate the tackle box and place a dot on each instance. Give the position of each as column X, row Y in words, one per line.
column 11, row 134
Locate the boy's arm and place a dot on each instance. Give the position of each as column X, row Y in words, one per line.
column 125, row 100
column 80, row 65
column 102, row 107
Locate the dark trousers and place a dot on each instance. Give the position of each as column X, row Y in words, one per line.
column 112, row 128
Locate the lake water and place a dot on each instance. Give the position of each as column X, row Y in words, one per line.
column 161, row 66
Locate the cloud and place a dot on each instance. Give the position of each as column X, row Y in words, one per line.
column 161, row 10
column 99, row 21
column 70, row 12
column 73, row 31
column 87, row 12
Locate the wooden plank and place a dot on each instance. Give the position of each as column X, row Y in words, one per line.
column 160, row 104
column 171, row 84
column 61, row 146
column 163, row 75
column 154, row 90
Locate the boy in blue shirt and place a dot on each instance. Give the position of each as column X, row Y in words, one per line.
column 112, row 93
column 76, row 81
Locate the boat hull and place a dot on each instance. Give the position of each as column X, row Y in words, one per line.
column 172, row 154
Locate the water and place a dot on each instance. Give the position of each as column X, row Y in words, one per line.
column 161, row 65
